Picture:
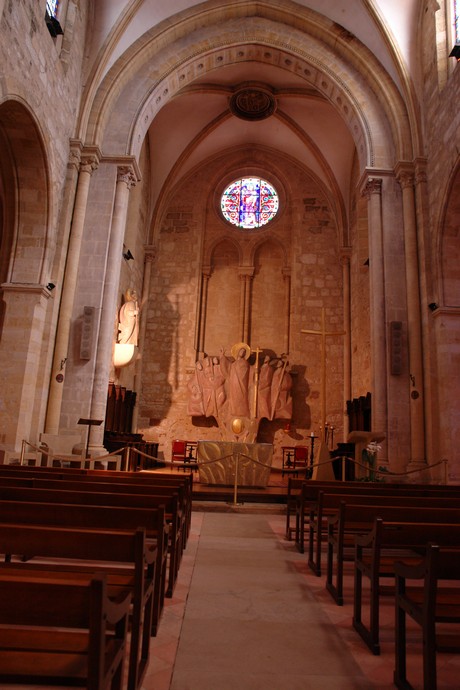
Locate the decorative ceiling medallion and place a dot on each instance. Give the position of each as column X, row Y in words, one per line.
column 252, row 103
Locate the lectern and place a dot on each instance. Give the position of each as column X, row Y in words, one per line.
column 89, row 423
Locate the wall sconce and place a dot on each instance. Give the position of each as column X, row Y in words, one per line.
column 127, row 255
column 50, row 286
column 433, row 306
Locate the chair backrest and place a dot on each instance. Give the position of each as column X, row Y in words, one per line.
column 301, row 453
column 178, row 447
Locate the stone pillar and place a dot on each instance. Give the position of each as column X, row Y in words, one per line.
column 88, row 163
column 125, row 180
column 373, row 192
column 405, row 177
column 20, row 349
column 206, row 274
column 149, row 257
column 287, row 301
column 345, row 261
column 246, row 274
column 426, row 289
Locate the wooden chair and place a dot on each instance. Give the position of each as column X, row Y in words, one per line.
column 179, row 452
column 434, row 605
column 301, row 458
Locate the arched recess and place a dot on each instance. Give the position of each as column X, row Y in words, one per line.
column 446, row 324
column 269, row 314
column 25, row 196
column 133, row 92
column 25, row 220
column 223, row 298
column 450, row 246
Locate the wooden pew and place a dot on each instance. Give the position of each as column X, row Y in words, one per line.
column 308, row 497
column 375, row 557
column 62, row 632
column 184, row 482
column 429, row 604
column 324, row 516
column 355, row 519
column 125, row 557
column 105, row 518
column 116, row 500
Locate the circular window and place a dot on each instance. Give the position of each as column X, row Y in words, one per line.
column 249, row 203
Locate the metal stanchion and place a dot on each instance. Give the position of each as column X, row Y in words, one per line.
column 235, row 487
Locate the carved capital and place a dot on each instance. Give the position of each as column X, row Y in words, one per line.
column 345, row 256
column 125, row 173
column 150, row 253
column 246, row 271
column 405, row 175
column 90, row 157
column 372, row 186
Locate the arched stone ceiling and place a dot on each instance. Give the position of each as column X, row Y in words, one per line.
column 334, row 100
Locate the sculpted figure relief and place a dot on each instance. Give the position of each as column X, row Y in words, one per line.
column 237, row 373
column 128, row 326
column 237, row 393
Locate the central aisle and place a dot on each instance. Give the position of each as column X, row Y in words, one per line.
column 251, row 622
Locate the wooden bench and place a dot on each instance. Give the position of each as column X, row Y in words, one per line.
column 430, row 605
column 357, row 518
column 375, row 557
column 184, row 482
column 125, row 557
column 114, row 500
column 105, row 518
column 55, row 632
column 183, row 486
column 308, row 497
column 324, row 516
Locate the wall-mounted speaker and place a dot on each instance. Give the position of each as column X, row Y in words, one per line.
column 87, row 329
column 396, row 337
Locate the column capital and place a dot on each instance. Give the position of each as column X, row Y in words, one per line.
column 150, row 253
column 246, row 271
column 125, row 173
column 345, row 256
column 83, row 158
column 373, row 185
column 404, row 172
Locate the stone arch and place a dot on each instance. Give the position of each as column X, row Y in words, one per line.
column 449, row 255
column 24, row 188
column 159, row 65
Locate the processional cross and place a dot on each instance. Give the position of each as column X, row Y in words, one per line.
column 323, row 333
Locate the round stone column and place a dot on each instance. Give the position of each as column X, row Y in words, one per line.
column 373, row 193
column 87, row 164
column 405, row 177
column 125, row 180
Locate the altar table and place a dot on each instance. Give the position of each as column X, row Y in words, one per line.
column 219, row 460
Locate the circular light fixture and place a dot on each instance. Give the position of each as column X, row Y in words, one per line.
column 249, row 202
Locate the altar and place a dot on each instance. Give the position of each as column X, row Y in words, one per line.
column 219, row 461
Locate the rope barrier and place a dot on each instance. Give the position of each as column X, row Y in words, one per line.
column 129, row 449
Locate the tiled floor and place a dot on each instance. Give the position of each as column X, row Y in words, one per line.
column 247, row 613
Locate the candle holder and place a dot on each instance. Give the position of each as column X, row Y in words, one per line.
column 309, row 472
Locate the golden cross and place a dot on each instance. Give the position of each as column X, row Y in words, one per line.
column 323, row 333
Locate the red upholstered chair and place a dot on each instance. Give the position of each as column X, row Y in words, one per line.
column 178, row 454
column 300, row 457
